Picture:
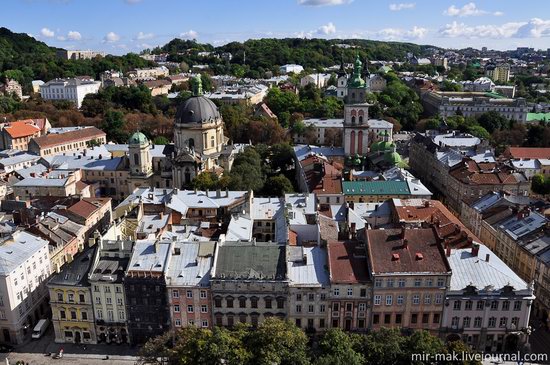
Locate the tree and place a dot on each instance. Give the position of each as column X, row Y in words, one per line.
column 479, row 131
column 337, row 348
column 205, row 181
column 492, row 121
column 385, row 347
column 278, row 185
column 459, row 347
column 184, row 67
column 278, row 342
column 161, row 140
column 282, row 156
column 422, row 342
column 113, row 123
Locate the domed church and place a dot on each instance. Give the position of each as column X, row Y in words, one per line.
column 198, row 137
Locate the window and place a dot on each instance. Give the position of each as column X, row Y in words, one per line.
column 387, row 318
column 323, row 296
column 280, row 303
column 218, row 302
column 401, row 283
column 466, row 322
column 70, row 297
column 389, row 299
column 99, row 314
column 229, row 301
column 242, row 302
column 298, row 297
column 506, row 305
column 177, row 308
column 204, row 323
column 479, row 305
column 414, row 318
column 311, row 308
column 425, row 318
column 62, row 314
column 68, row 334
column 175, row 294
column 268, row 302
column 440, row 282
column 429, row 282
column 457, row 305
column 363, row 293
column 416, row 299
column 400, row 299
column 190, row 309
column 335, row 307
column 109, row 300
column 492, row 322
column 436, row 318
column 503, row 322
column 377, row 299
column 254, row 302
column 322, row 308
column 336, row 292
column 417, row 282
column 468, row 305
column 322, row 323
column 119, row 301
column 298, row 308
column 376, row 319
column 494, row 305
column 517, row 305
column 59, row 297
column 311, row 297
column 177, row 322
column 515, row 322
column 81, row 298
column 477, row 322
column 97, row 300
column 389, row 283
column 204, row 308
column 203, row 294
column 378, row 283
column 189, row 294
column 427, row 299
column 454, row 322
column 362, row 307
column 350, row 292
column 349, row 307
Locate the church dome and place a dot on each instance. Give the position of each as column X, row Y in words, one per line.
column 138, row 138
column 197, row 109
column 392, row 157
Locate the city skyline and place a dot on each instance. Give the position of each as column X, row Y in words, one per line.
column 135, row 25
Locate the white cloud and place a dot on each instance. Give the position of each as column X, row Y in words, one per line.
column 534, row 28
column 142, row 36
column 61, row 38
column 326, row 29
column 48, row 33
column 190, row 34
column 74, row 35
column 111, row 37
column 323, row 2
column 395, row 34
column 402, row 6
column 469, row 9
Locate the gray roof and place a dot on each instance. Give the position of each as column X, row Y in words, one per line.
column 473, row 270
column 258, row 261
column 17, row 159
column 75, row 273
column 191, row 267
column 18, row 248
column 517, row 227
column 42, row 181
column 240, row 228
column 84, row 162
column 149, row 256
column 303, row 151
column 197, row 109
column 313, row 271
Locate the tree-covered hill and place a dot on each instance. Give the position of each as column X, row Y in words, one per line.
column 24, row 58
column 256, row 56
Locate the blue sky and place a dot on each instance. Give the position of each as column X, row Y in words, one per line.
column 121, row 26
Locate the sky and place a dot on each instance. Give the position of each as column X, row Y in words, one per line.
column 122, row 26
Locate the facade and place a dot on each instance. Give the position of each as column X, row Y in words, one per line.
column 379, row 191
column 487, row 304
column 11, row 87
column 73, row 90
column 498, row 73
column 59, row 143
column 145, row 290
column 149, row 73
column 472, row 104
column 61, row 185
column 188, row 284
column 17, row 135
column 309, row 287
column 240, row 94
column 24, row 269
column 107, row 290
column 320, row 80
column 410, row 275
column 71, row 302
column 349, row 306
column 249, row 283
column 290, row 68
column 78, row 55
column 328, row 132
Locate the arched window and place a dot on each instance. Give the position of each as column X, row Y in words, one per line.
column 212, row 141
column 136, row 159
column 353, row 120
column 191, row 143
column 360, row 119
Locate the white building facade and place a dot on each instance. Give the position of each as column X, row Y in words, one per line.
column 73, row 90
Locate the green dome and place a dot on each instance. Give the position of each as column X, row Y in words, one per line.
column 392, row 157
column 356, row 79
column 386, row 146
column 375, row 147
column 138, row 138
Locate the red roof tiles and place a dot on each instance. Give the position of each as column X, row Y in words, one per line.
column 347, row 262
column 527, row 152
column 50, row 140
column 22, row 128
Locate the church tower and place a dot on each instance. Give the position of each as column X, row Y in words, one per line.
column 356, row 114
column 141, row 163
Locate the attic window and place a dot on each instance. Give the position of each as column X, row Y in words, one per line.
column 395, row 257
column 419, row 256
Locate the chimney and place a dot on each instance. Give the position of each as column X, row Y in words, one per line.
column 447, row 249
column 487, row 256
column 475, row 249
column 161, row 215
column 403, row 233
column 226, row 192
column 405, row 244
column 218, row 193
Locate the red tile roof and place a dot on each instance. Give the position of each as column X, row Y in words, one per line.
column 491, row 173
column 418, row 251
column 50, row 140
column 83, row 209
column 347, row 262
column 527, row 152
column 22, row 128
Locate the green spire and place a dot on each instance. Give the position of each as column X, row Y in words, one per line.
column 197, row 86
column 356, row 79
